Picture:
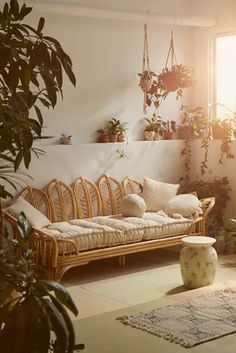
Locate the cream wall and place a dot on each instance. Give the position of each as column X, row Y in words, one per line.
column 107, row 55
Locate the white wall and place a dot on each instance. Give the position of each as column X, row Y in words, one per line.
column 107, row 56
column 157, row 159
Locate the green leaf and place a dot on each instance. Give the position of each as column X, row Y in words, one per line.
column 14, row 8
column 41, row 24
column 27, row 158
column 70, row 328
column 50, row 87
column 58, row 326
column 62, row 294
column 18, row 160
column 25, row 226
column 39, row 115
column 25, row 10
column 69, row 72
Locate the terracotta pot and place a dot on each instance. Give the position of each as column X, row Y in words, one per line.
column 149, row 135
column 103, row 139
column 121, row 138
column 184, row 132
column 168, row 135
column 171, row 81
column 113, row 137
column 218, row 132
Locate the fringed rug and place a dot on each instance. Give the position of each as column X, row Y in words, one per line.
column 190, row 322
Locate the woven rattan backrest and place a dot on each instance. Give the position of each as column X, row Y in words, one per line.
column 132, row 186
column 39, row 200
column 62, row 201
column 87, row 198
column 111, row 192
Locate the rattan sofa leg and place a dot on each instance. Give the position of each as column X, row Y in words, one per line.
column 122, row 261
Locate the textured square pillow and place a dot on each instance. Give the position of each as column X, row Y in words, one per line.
column 156, row 193
column 35, row 218
column 184, row 204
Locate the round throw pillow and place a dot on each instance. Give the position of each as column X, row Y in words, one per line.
column 132, row 205
column 184, row 204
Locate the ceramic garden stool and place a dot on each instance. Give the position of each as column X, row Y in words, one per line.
column 198, row 261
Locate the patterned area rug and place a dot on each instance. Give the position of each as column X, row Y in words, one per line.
column 190, row 322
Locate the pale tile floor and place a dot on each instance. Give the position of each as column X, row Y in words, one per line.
column 103, row 286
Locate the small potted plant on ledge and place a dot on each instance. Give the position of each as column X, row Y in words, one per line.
column 113, row 129
column 103, row 136
column 170, row 130
column 153, row 128
column 122, row 128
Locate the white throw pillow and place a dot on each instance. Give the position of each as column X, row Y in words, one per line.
column 132, row 205
column 35, row 218
column 184, row 204
column 156, row 193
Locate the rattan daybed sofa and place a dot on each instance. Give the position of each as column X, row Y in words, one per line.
column 86, row 224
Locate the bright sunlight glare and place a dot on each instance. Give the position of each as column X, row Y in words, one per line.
column 225, row 75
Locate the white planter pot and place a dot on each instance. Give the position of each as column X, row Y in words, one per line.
column 198, row 261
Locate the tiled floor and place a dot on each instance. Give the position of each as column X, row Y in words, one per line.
column 103, row 286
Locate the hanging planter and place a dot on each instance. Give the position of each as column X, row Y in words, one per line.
column 145, row 81
column 176, row 77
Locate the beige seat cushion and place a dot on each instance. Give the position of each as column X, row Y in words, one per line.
column 86, row 234
column 184, row 204
column 132, row 205
column 35, row 218
column 156, row 193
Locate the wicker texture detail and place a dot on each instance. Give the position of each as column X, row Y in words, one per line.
column 132, row 186
column 87, row 198
column 39, row 200
column 111, row 192
column 62, row 201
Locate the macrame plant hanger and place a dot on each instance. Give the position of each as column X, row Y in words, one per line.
column 171, row 53
column 171, row 78
column 146, row 77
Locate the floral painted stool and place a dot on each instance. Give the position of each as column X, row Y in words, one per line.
column 198, row 261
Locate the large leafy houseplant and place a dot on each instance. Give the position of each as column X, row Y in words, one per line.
column 32, row 311
column 33, row 318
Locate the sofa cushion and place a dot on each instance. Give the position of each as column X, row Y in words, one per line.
column 184, row 204
column 132, row 205
column 35, row 218
column 156, row 193
column 86, row 234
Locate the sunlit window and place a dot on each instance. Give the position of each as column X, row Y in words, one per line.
column 225, row 74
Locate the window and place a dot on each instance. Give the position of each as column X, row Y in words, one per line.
column 225, row 75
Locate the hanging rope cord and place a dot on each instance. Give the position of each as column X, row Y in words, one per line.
column 171, row 53
column 146, row 67
column 145, row 51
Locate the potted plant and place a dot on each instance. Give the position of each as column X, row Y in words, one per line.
column 146, row 79
column 160, row 129
column 170, row 130
column 150, row 129
column 113, row 129
column 175, row 78
column 122, row 128
column 33, row 311
column 31, row 73
column 219, row 188
column 103, row 137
